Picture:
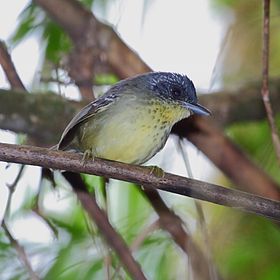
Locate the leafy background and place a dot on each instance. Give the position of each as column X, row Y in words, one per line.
column 243, row 246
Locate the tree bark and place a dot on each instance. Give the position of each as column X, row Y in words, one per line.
column 142, row 176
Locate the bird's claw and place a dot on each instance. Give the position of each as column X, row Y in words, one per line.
column 88, row 155
column 157, row 171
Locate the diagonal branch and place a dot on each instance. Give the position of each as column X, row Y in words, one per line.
column 172, row 223
column 142, row 176
column 99, row 217
column 9, row 68
column 75, row 19
column 96, row 45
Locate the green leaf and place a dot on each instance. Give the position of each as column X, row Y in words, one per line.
column 128, row 209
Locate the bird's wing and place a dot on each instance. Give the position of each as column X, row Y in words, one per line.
column 88, row 111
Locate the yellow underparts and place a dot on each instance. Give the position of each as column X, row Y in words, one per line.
column 130, row 131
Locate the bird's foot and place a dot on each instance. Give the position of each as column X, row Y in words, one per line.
column 88, row 155
column 157, row 171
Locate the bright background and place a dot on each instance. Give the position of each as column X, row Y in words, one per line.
column 217, row 43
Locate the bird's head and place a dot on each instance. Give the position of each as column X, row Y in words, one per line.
column 174, row 88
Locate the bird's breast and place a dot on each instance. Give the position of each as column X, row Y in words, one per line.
column 131, row 132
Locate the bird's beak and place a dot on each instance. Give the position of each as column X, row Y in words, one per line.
column 197, row 109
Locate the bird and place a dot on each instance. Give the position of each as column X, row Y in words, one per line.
column 131, row 122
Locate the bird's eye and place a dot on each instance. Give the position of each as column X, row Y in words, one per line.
column 176, row 91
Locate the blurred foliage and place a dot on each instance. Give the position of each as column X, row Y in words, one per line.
column 105, row 79
column 240, row 59
column 255, row 139
column 252, row 248
column 248, row 247
column 55, row 43
column 34, row 20
column 244, row 246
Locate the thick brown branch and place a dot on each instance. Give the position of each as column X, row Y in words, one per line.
column 95, row 43
column 227, row 107
column 37, row 115
column 16, row 115
column 67, row 13
column 142, row 176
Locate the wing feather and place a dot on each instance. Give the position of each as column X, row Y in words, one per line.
column 88, row 111
column 93, row 108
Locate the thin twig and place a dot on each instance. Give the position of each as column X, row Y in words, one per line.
column 19, row 249
column 20, row 252
column 200, row 214
column 140, row 175
column 265, row 83
column 9, row 68
column 12, row 188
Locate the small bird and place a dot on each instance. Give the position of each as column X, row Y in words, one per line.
column 132, row 120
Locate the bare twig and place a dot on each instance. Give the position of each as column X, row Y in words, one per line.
column 20, row 252
column 99, row 217
column 9, row 68
column 12, row 188
column 265, row 85
column 142, row 176
column 19, row 249
column 200, row 214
